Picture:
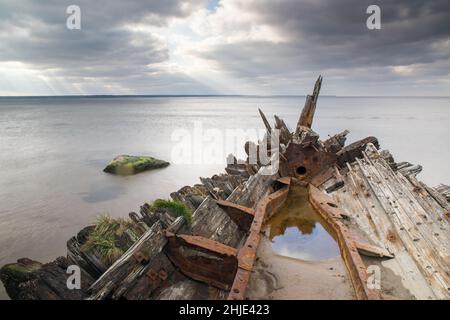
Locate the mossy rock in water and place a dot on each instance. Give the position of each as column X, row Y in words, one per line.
column 30, row 280
column 126, row 165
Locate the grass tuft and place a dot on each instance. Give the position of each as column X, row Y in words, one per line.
column 104, row 237
column 178, row 208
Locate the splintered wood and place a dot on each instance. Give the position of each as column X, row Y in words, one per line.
column 392, row 210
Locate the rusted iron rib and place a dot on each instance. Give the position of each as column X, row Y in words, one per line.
column 216, row 267
column 201, row 243
column 329, row 211
column 247, row 254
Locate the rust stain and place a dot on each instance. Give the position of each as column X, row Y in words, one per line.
column 247, row 254
column 349, row 251
column 391, row 236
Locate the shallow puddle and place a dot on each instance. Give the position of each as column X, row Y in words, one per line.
column 296, row 230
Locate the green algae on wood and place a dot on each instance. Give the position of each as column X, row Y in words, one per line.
column 21, row 269
column 127, row 165
column 175, row 207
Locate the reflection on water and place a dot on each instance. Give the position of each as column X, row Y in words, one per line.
column 296, row 231
column 103, row 193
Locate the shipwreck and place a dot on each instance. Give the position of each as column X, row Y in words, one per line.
column 377, row 210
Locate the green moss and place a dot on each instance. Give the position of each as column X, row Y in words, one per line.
column 126, row 165
column 104, row 237
column 19, row 271
column 176, row 207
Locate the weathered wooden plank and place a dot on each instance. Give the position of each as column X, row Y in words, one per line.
column 364, row 204
column 90, row 262
column 266, row 123
column 349, row 153
column 336, row 142
column 222, row 185
column 444, row 190
column 126, row 268
column 307, row 115
column 416, row 238
column 191, row 196
column 372, row 251
column 285, row 134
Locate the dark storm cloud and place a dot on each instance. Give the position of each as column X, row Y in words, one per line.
column 408, row 29
column 35, row 33
column 331, row 37
column 97, row 13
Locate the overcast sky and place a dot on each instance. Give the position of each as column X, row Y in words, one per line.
column 224, row 47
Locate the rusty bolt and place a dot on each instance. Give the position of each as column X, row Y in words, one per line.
column 140, row 257
column 152, row 274
column 162, row 274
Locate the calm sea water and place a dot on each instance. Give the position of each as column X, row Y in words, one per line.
column 53, row 150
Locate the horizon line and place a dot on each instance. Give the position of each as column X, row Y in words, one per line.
column 211, row 95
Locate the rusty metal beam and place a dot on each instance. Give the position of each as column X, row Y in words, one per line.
column 201, row 243
column 247, row 254
column 204, row 260
column 242, row 216
column 332, row 214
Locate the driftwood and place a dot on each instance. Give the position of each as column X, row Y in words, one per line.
column 88, row 261
column 41, row 281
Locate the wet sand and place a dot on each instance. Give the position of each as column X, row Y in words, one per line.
column 283, row 278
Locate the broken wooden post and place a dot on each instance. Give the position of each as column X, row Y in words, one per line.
column 307, row 115
column 266, row 123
